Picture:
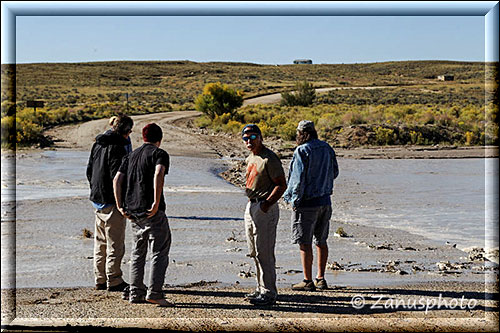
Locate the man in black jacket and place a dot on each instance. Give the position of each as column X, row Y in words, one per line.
column 109, row 239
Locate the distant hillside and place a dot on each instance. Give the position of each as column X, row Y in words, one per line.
column 178, row 82
column 409, row 105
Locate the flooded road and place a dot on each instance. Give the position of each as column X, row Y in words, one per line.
column 437, row 201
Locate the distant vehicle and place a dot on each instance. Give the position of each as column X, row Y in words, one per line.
column 445, row 77
column 303, row 61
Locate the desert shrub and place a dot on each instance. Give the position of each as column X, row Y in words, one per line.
column 416, row 138
column 384, row 136
column 224, row 118
column 352, row 118
column 303, row 95
column 27, row 131
column 288, row 131
column 217, row 99
column 469, row 138
column 233, row 126
column 8, row 108
column 8, row 131
column 203, row 122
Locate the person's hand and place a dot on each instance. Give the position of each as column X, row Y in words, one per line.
column 153, row 210
column 123, row 212
column 264, row 206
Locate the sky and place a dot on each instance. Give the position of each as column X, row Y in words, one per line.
column 255, row 39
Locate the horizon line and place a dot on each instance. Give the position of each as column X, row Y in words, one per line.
column 244, row 62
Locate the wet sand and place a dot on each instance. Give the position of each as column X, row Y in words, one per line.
column 209, row 272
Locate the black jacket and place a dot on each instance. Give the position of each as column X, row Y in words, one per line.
column 105, row 159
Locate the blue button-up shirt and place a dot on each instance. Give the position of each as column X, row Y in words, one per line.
column 312, row 172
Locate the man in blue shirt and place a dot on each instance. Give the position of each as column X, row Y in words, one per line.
column 310, row 185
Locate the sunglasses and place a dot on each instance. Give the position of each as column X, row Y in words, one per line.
column 251, row 137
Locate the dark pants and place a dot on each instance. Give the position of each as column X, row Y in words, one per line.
column 152, row 233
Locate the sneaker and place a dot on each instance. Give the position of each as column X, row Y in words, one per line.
column 126, row 293
column 321, row 284
column 263, row 299
column 252, row 295
column 304, row 286
column 119, row 287
column 100, row 286
column 161, row 302
column 137, row 300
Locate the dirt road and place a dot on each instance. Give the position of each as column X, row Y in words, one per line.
column 177, row 140
column 276, row 98
column 181, row 137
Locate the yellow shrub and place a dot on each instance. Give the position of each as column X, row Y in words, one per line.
column 469, row 137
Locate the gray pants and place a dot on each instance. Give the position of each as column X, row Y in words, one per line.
column 260, row 230
column 152, row 233
column 109, row 246
column 310, row 223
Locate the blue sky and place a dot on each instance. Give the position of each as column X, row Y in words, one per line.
column 256, row 39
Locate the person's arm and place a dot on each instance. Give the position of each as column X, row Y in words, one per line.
column 278, row 190
column 335, row 165
column 296, row 181
column 117, row 190
column 158, row 188
column 115, row 158
column 90, row 163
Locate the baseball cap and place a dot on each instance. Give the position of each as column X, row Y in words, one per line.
column 251, row 128
column 305, row 125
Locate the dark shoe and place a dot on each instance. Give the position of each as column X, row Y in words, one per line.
column 126, row 293
column 263, row 300
column 252, row 295
column 321, row 284
column 100, row 286
column 304, row 286
column 119, row 287
column 138, row 300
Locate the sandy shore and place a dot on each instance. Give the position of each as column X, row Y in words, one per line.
column 394, row 272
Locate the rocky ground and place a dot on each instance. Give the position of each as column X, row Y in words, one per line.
column 458, row 307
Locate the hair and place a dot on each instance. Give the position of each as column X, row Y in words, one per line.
column 112, row 121
column 251, row 128
column 306, row 135
column 121, row 124
column 152, row 133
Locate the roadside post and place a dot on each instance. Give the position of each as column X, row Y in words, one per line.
column 34, row 105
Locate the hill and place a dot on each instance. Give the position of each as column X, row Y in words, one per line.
column 82, row 91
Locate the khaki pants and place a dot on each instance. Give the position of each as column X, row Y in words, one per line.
column 260, row 230
column 109, row 246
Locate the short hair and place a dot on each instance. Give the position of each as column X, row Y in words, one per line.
column 152, row 133
column 310, row 133
column 122, row 124
column 112, row 121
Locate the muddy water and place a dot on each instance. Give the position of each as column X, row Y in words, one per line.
column 436, row 200
column 440, row 199
column 450, row 200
